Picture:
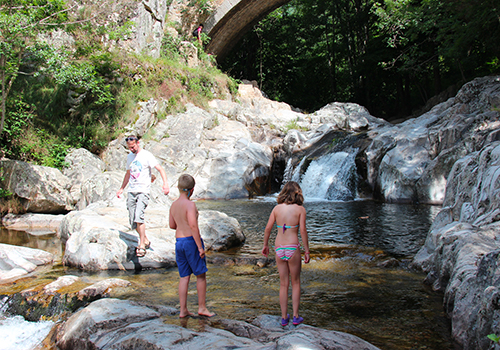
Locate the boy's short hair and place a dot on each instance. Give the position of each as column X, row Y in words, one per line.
column 185, row 182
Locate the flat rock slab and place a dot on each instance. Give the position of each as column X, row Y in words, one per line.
column 18, row 261
column 120, row 324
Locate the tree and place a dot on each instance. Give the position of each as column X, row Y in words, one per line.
column 390, row 56
column 21, row 21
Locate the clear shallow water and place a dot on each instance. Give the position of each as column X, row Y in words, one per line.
column 344, row 288
column 398, row 230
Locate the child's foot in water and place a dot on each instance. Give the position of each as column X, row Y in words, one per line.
column 206, row 313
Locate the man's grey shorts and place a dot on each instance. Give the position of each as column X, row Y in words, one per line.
column 136, row 204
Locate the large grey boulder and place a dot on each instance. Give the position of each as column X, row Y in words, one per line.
column 220, row 153
column 346, row 116
column 40, row 189
column 99, row 237
column 462, row 250
column 81, row 165
column 116, row 324
column 410, row 162
column 18, row 261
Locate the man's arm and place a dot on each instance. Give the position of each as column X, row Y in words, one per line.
column 124, row 183
column 166, row 188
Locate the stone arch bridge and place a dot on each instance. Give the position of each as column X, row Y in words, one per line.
column 232, row 19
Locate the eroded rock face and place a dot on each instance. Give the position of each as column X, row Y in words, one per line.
column 462, row 250
column 411, row 161
column 40, row 189
column 113, row 323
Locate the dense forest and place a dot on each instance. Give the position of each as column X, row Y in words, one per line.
column 391, row 56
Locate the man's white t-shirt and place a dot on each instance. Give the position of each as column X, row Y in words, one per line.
column 140, row 165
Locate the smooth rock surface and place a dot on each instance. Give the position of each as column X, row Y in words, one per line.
column 18, row 261
column 118, row 324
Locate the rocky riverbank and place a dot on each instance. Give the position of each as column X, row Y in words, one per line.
column 448, row 156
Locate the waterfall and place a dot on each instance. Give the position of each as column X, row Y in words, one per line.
column 292, row 174
column 330, row 177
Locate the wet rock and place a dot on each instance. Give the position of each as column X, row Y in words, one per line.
column 389, row 263
column 225, row 260
column 102, row 288
column 18, row 261
column 61, row 282
column 116, row 324
column 32, row 222
column 61, row 297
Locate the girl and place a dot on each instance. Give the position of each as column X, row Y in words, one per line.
column 289, row 216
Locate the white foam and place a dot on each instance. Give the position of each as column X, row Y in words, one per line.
column 18, row 334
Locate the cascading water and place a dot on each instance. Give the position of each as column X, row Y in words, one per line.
column 330, row 177
column 18, row 334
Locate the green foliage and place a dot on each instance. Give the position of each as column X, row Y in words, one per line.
column 203, row 7
column 121, row 32
column 390, row 56
column 293, row 125
column 494, row 337
column 83, row 96
column 170, row 48
column 3, row 192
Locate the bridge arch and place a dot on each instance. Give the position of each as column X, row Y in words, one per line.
column 232, row 19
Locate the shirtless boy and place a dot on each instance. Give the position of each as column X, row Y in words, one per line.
column 189, row 247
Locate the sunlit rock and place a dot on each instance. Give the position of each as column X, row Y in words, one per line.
column 40, row 189
column 99, row 237
column 61, row 282
column 410, row 162
column 33, row 222
column 121, row 323
column 18, row 261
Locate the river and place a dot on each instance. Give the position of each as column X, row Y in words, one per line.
column 358, row 280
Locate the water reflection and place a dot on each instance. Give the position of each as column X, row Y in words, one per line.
column 399, row 230
column 43, row 241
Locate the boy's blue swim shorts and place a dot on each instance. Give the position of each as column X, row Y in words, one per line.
column 188, row 258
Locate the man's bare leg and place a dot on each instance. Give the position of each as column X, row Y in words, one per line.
column 141, row 230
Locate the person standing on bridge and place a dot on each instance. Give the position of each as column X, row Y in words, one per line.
column 197, row 33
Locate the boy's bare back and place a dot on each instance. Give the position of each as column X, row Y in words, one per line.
column 183, row 218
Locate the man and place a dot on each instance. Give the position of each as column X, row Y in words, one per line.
column 138, row 176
